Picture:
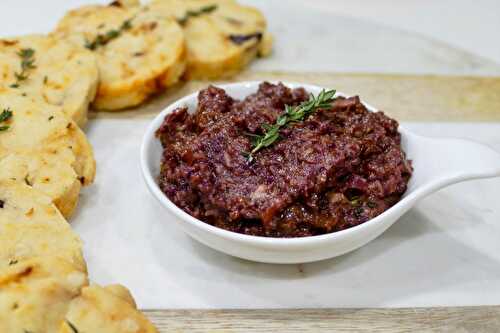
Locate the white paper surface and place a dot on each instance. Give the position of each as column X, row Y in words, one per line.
column 445, row 251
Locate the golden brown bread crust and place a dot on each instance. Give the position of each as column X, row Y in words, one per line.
column 31, row 226
column 223, row 39
column 146, row 54
column 63, row 74
column 54, row 178
column 35, row 294
column 45, row 149
column 101, row 310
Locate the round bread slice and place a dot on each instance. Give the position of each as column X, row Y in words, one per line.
column 222, row 36
column 138, row 52
column 99, row 309
column 46, row 174
column 122, row 292
column 36, row 128
column 31, row 226
column 35, row 294
column 56, row 72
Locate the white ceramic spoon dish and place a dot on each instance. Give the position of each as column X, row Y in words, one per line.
column 436, row 162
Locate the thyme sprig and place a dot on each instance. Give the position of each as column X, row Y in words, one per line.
column 103, row 39
column 195, row 13
column 292, row 114
column 4, row 116
column 27, row 63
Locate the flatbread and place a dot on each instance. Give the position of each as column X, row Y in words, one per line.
column 64, row 74
column 35, row 294
column 101, row 310
column 31, row 226
column 36, row 128
column 145, row 54
column 46, row 174
column 122, row 292
column 222, row 36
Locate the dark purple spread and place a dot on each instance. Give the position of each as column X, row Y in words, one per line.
column 339, row 168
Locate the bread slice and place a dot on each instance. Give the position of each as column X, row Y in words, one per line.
column 37, row 128
column 122, row 292
column 138, row 52
column 31, row 226
column 46, row 174
column 35, row 294
column 101, row 310
column 222, row 36
column 61, row 73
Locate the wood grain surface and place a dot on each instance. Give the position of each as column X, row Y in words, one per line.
column 455, row 319
column 404, row 97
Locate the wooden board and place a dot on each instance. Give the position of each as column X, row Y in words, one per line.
column 404, row 97
column 445, row 319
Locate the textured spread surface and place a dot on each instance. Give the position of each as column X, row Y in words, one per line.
column 336, row 169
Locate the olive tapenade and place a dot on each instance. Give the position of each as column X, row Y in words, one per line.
column 338, row 168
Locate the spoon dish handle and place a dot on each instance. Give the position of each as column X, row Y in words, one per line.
column 444, row 161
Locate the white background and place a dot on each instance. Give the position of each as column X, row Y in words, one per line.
column 446, row 251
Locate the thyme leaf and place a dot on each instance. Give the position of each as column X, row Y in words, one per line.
column 4, row 116
column 292, row 114
column 194, row 13
column 27, row 62
column 103, row 39
column 358, row 212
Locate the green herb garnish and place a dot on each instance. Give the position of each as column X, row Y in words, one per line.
column 103, row 39
column 358, row 211
column 291, row 115
column 27, row 63
column 355, row 200
column 4, row 116
column 195, row 13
